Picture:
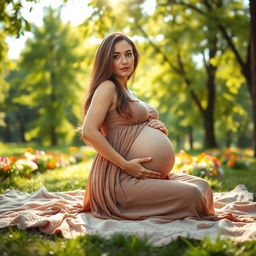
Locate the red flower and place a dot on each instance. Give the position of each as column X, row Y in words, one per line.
column 6, row 168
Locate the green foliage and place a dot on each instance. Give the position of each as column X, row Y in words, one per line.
column 11, row 20
column 182, row 49
column 101, row 20
column 46, row 88
column 18, row 113
column 53, row 62
column 10, row 16
column 3, row 71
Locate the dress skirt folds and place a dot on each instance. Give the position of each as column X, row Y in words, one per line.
column 112, row 193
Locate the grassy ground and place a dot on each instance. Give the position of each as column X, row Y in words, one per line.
column 32, row 242
column 17, row 149
column 233, row 177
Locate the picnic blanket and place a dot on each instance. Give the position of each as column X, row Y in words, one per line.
column 61, row 212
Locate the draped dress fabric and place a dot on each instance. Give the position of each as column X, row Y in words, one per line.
column 112, row 193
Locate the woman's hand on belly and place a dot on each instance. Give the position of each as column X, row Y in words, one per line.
column 157, row 124
column 134, row 168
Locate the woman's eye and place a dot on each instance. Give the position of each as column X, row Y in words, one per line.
column 129, row 54
column 115, row 57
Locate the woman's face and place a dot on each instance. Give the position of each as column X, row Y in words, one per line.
column 123, row 60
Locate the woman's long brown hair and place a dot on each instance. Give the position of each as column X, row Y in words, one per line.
column 102, row 70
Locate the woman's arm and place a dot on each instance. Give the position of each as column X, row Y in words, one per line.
column 102, row 101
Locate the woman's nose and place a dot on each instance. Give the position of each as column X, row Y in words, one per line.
column 124, row 60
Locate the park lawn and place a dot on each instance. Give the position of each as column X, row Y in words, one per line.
column 17, row 149
column 246, row 176
column 32, row 242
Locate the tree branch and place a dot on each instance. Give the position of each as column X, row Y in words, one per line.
column 205, row 63
column 188, row 82
column 231, row 45
column 157, row 49
column 191, row 6
column 221, row 28
column 207, row 4
column 196, row 100
column 247, row 67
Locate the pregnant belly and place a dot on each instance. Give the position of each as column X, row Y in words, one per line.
column 154, row 143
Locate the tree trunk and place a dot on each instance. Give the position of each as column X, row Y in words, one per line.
column 190, row 136
column 210, row 141
column 253, row 67
column 228, row 139
column 7, row 134
column 22, row 131
column 208, row 116
column 208, row 113
column 53, row 134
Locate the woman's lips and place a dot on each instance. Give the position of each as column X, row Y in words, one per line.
column 125, row 69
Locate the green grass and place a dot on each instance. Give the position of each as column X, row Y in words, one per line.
column 246, row 176
column 71, row 178
column 17, row 149
column 33, row 242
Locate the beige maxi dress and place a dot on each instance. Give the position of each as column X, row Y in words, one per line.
column 112, row 193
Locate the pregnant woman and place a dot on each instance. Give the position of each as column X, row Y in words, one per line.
column 130, row 177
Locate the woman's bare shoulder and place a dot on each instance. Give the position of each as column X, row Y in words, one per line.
column 107, row 86
column 106, row 92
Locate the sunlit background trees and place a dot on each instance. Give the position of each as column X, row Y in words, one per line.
column 197, row 67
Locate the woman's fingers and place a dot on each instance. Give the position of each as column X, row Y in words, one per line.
column 156, row 124
column 164, row 130
column 153, row 175
column 144, row 160
column 137, row 170
column 145, row 173
column 149, row 176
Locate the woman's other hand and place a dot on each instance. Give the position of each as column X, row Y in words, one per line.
column 134, row 168
column 157, row 124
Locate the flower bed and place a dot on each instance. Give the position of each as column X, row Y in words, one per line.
column 37, row 161
column 236, row 158
column 203, row 165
